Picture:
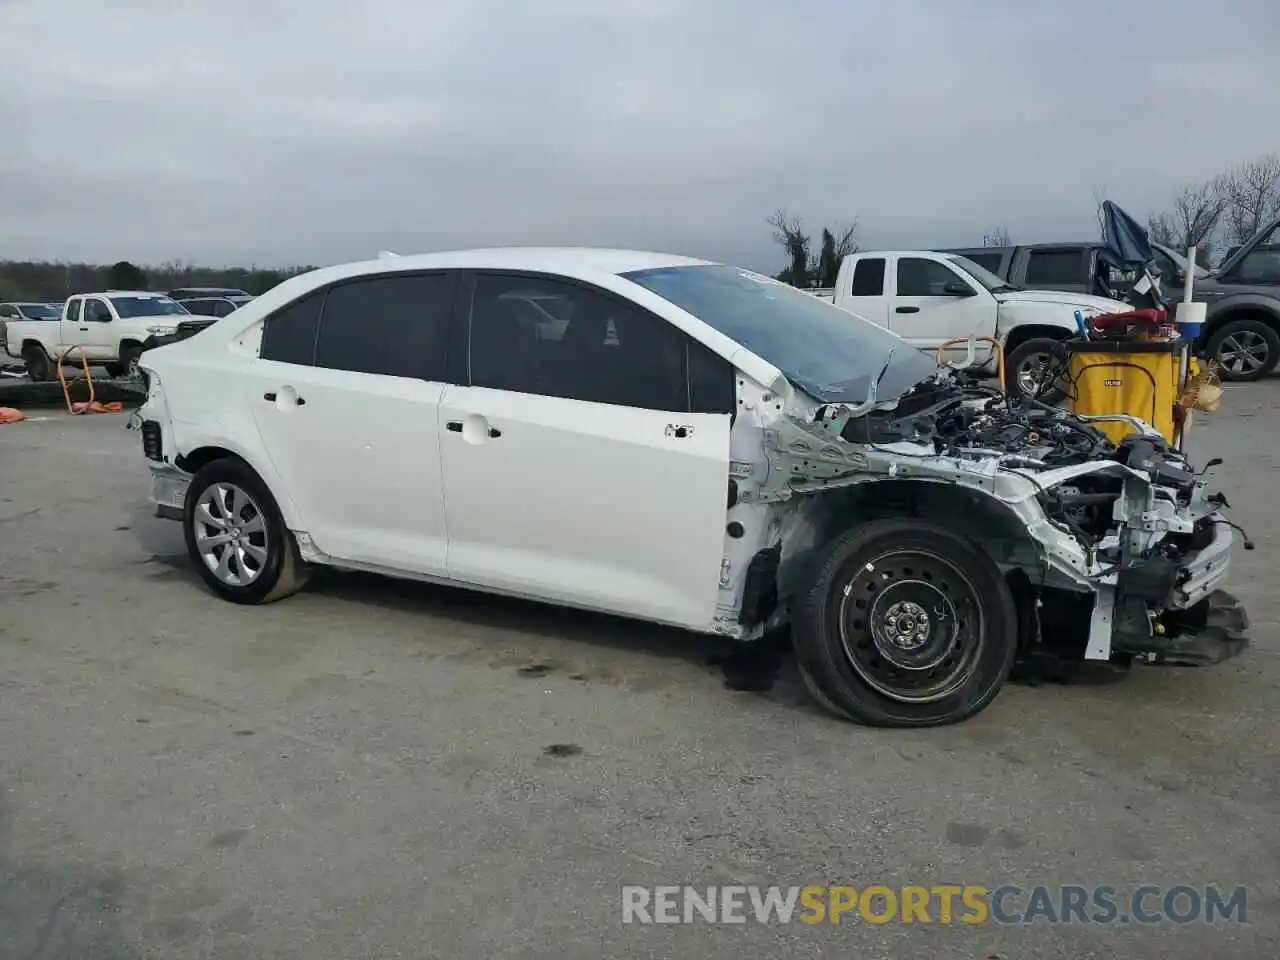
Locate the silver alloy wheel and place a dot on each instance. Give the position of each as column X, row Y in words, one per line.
column 1243, row 351
column 231, row 534
column 1032, row 371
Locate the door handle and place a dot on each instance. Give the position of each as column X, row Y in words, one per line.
column 907, row 310
column 455, row 426
column 270, row 397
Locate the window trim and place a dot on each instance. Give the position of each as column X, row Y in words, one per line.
column 322, row 292
column 465, row 294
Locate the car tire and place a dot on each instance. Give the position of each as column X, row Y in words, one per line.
column 39, row 367
column 229, row 507
column 1251, row 345
column 1020, row 364
column 904, row 624
column 129, row 354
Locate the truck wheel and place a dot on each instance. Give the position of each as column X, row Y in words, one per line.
column 237, row 538
column 129, row 354
column 905, row 624
column 1037, row 368
column 39, row 369
column 1244, row 349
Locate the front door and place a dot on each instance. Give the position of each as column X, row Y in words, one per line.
column 98, row 333
column 349, row 416
column 573, row 470
column 932, row 303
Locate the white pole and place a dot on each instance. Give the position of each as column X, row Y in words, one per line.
column 1191, row 273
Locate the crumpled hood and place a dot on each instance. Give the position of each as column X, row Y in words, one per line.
column 1077, row 301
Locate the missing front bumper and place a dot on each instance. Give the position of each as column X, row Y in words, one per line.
column 1213, row 630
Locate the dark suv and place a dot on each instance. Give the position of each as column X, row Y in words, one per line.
column 1242, row 329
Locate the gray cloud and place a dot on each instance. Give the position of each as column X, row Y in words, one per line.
column 279, row 133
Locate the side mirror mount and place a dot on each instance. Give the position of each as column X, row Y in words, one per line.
column 957, row 289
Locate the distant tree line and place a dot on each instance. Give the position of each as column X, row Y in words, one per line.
column 43, row 281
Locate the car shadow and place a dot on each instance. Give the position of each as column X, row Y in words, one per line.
column 759, row 667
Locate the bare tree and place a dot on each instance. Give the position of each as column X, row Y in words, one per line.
column 1197, row 212
column 788, row 231
column 846, row 239
column 1252, row 193
column 999, row 237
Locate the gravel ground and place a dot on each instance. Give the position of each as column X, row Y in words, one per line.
column 377, row 769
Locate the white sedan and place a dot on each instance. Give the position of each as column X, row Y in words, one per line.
column 689, row 443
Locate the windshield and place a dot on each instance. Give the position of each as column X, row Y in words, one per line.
column 830, row 353
column 127, row 307
column 980, row 273
column 39, row 311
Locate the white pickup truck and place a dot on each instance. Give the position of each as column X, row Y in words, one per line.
column 103, row 328
column 928, row 298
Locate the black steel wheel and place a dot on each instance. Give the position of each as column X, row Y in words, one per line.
column 905, row 624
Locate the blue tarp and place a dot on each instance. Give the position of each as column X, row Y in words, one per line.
column 1124, row 240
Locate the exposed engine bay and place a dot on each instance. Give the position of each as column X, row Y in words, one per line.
column 1119, row 550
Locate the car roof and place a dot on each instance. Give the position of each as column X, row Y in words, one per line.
column 563, row 260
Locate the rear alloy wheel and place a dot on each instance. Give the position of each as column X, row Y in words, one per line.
column 1037, row 368
column 1244, row 349
column 237, row 538
column 905, row 624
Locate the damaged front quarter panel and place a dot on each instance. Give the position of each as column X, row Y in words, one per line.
column 1133, row 543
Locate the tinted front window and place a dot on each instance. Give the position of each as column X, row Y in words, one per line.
column 829, row 352
column 925, row 278
column 607, row 351
column 95, row 311
column 868, row 278
column 289, row 334
column 73, row 310
column 127, row 307
column 397, row 326
column 1049, row 267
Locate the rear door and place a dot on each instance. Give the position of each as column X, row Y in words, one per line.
column 345, row 395
column 860, row 288
column 575, row 467
column 933, row 303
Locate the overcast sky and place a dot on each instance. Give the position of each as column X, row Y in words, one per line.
column 236, row 132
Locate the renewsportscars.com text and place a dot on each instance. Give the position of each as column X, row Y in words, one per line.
column 936, row 904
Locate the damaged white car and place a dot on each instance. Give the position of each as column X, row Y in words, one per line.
column 687, row 443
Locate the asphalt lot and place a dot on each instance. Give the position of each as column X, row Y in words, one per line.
column 378, row 769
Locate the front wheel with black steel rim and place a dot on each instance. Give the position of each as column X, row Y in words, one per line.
column 237, row 537
column 1037, row 368
column 905, row 623
column 1244, row 349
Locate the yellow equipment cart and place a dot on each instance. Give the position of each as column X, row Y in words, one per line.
column 1136, row 378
